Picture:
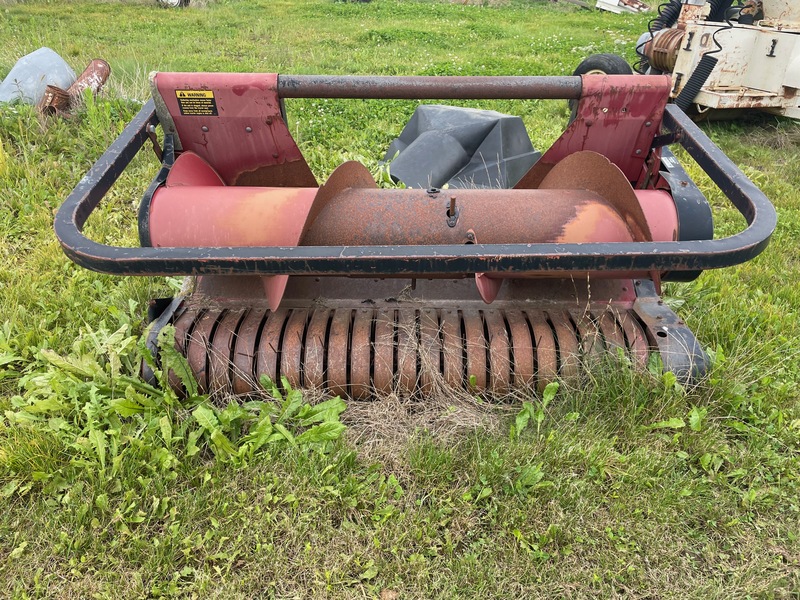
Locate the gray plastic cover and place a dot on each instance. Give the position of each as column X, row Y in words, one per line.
column 31, row 75
column 461, row 148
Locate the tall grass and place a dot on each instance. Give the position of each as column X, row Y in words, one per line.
column 626, row 485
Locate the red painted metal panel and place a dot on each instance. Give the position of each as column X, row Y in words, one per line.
column 219, row 217
column 617, row 116
column 234, row 121
column 660, row 213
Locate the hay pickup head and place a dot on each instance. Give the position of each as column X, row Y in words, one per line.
column 362, row 291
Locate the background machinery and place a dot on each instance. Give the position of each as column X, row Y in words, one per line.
column 721, row 55
column 728, row 57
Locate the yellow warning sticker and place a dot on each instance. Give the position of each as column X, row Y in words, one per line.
column 197, row 103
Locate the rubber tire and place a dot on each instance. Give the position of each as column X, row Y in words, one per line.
column 599, row 64
column 173, row 3
column 604, row 64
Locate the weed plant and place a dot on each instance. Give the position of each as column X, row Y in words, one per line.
column 624, row 484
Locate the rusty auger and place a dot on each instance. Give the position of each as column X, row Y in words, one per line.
column 360, row 290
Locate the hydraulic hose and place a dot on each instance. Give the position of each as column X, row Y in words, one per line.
column 718, row 9
column 668, row 14
column 698, row 78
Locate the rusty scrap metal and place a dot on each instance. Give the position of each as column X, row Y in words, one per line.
column 59, row 101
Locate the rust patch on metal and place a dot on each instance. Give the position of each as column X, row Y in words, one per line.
column 568, row 348
column 292, row 348
column 612, row 332
column 452, row 349
column 351, row 174
column 589, row 336
column 499, row 352
column 407, row 352
column 244, row 353
column 430, row 349
column 360, row 352
column 662, row 52
column 546, row 351
column 360, row 362
column 220, row 353
column 591, row 171
column 315, row 349
column 338, row 352
column 358, row 217
column 93, row 78
column 636, row 339
column 384, row 351
column 54, row 101
column 183, row 325
column 289, row 174
column 522, row 347
column 199, row 348
column 691, row 12
column 475, row 344
column 269, row 345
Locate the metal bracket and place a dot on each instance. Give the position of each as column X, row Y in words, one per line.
column 680, row 351
column 666, row 139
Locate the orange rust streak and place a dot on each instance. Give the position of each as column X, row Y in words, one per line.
column 595, row 222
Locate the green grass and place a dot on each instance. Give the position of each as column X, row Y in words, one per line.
column 623, row 487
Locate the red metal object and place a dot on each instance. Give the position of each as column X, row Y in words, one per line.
column 587, row 199
column 315, row 349
column 191, row 170
column 59, row 101
column 617, row 117
column 54, row 101
column 413, row 345
column 234, row 122
column 244, row 353
column 93, row 78
column 686, row 255
column 384, row 299
column 212, row 215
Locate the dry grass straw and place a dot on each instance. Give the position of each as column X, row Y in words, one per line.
column 383, row 428
column 778, row 135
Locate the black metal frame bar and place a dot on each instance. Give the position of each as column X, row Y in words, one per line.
column 424, row 87
column 419, row 261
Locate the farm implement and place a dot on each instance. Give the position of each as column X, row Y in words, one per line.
column 360, row 290
column 726, row 56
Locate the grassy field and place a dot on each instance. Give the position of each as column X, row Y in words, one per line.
column 628, row 486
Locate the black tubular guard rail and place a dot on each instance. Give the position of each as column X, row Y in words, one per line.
column 420, row 261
